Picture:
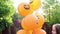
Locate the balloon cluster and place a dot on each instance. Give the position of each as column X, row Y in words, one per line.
column 31, row 24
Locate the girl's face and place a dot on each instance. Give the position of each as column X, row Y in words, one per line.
column 53, row 30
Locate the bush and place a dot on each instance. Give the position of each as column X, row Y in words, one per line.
column 6, row 13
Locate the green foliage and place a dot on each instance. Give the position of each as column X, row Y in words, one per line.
column 52, row 11
column 5, row 23
column 6, row 8
column 6, row 13
column 16, row 16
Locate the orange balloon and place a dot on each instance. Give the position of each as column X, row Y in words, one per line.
column 22, row 32
column 24, row 9
column 40, row 21
column 39, row 32
column 31, row 22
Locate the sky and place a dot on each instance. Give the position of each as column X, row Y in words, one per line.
column 17, row 2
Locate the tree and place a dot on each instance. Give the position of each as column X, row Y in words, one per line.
column 6, row 13
column 52, row 11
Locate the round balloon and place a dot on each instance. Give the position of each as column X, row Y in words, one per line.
column 40, row 20
column 31, row 22
column 24, row 9
column 35, row 4
column 22, row 32
column 39, row 31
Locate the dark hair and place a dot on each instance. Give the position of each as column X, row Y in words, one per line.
column 57, row 29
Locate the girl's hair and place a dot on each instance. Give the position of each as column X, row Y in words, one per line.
column 57, row 29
